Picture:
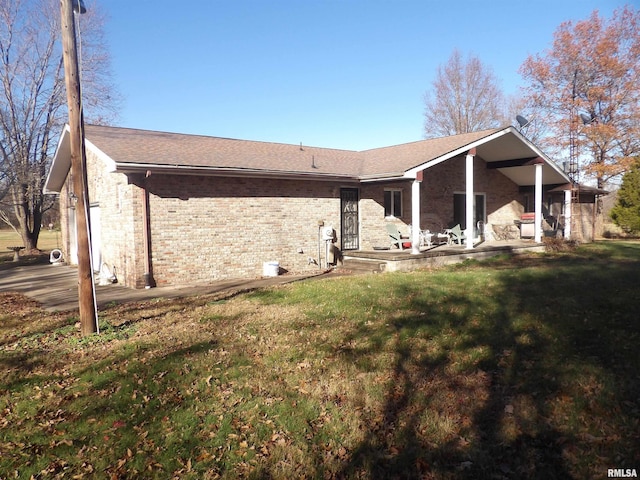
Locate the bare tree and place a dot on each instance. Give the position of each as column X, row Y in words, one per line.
column 588, row 86
column 465, row 98
column 33, row 103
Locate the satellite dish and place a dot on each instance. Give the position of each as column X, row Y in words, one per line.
column 586, row 119
column 523, row 122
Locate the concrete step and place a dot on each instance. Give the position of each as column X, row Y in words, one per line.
column 357, row 266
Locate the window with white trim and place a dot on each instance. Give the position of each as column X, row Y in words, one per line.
column 393, row 202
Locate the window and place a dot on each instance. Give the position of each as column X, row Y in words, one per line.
column 393, row 203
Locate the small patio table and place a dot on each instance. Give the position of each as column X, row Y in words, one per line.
column 425, row 237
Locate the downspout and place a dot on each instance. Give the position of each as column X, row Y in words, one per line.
column 146, row 236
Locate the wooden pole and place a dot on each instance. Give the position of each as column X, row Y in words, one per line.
column 86, row 287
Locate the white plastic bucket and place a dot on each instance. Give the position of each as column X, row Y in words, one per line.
column 55, row 258
column 270, row 269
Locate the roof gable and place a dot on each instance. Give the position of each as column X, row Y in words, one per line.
column 398, row 159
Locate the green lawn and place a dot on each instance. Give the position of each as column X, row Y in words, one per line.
column 509, row 368
column 48, row 240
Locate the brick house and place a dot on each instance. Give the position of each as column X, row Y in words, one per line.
column 170, row 209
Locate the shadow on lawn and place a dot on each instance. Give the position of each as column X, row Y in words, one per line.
column 517, row 412
column 140, row 401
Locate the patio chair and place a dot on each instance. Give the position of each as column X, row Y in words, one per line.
column 396, row 238
column 457, row 235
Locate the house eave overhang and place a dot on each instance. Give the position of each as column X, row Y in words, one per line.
column 156, row 169
column 389, row 177
column 580, row 189
column 60, row 165
column 506, row 150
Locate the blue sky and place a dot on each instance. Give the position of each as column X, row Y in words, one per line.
column 347, row 74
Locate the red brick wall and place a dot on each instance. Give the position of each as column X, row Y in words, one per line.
column 120, row 206
column 208, row 228
column 503, row 200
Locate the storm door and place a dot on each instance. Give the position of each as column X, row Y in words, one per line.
column 349, row 226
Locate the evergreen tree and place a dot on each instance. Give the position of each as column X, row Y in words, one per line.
column 626, row 212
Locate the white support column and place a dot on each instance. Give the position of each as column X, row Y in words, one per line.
column 538, row 204
column 415, row 214
column 469, row 198
column 567, row 214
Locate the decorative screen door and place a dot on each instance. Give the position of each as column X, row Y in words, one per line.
column 349, row 226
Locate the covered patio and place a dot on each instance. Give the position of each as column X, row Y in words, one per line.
column 395, row 260
column 507, row 152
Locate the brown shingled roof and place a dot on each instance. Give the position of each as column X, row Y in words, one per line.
column 141, row 148
column 399, row 158
column 133, row 150
column 129, row 147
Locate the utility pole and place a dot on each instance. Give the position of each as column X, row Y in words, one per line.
column 86, row 288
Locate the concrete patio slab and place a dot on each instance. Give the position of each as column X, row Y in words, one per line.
column 55, row 287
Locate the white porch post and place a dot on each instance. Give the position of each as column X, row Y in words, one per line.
column 538, row 204
column 469, row 198
column 415, row 214
column 567, row 214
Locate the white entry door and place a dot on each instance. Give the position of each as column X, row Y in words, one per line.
column 96, row 243
column 73, row 237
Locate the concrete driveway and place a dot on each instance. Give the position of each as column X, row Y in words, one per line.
column 55, row 287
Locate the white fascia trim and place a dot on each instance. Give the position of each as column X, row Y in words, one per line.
column 454, row 153
column 55, row 167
